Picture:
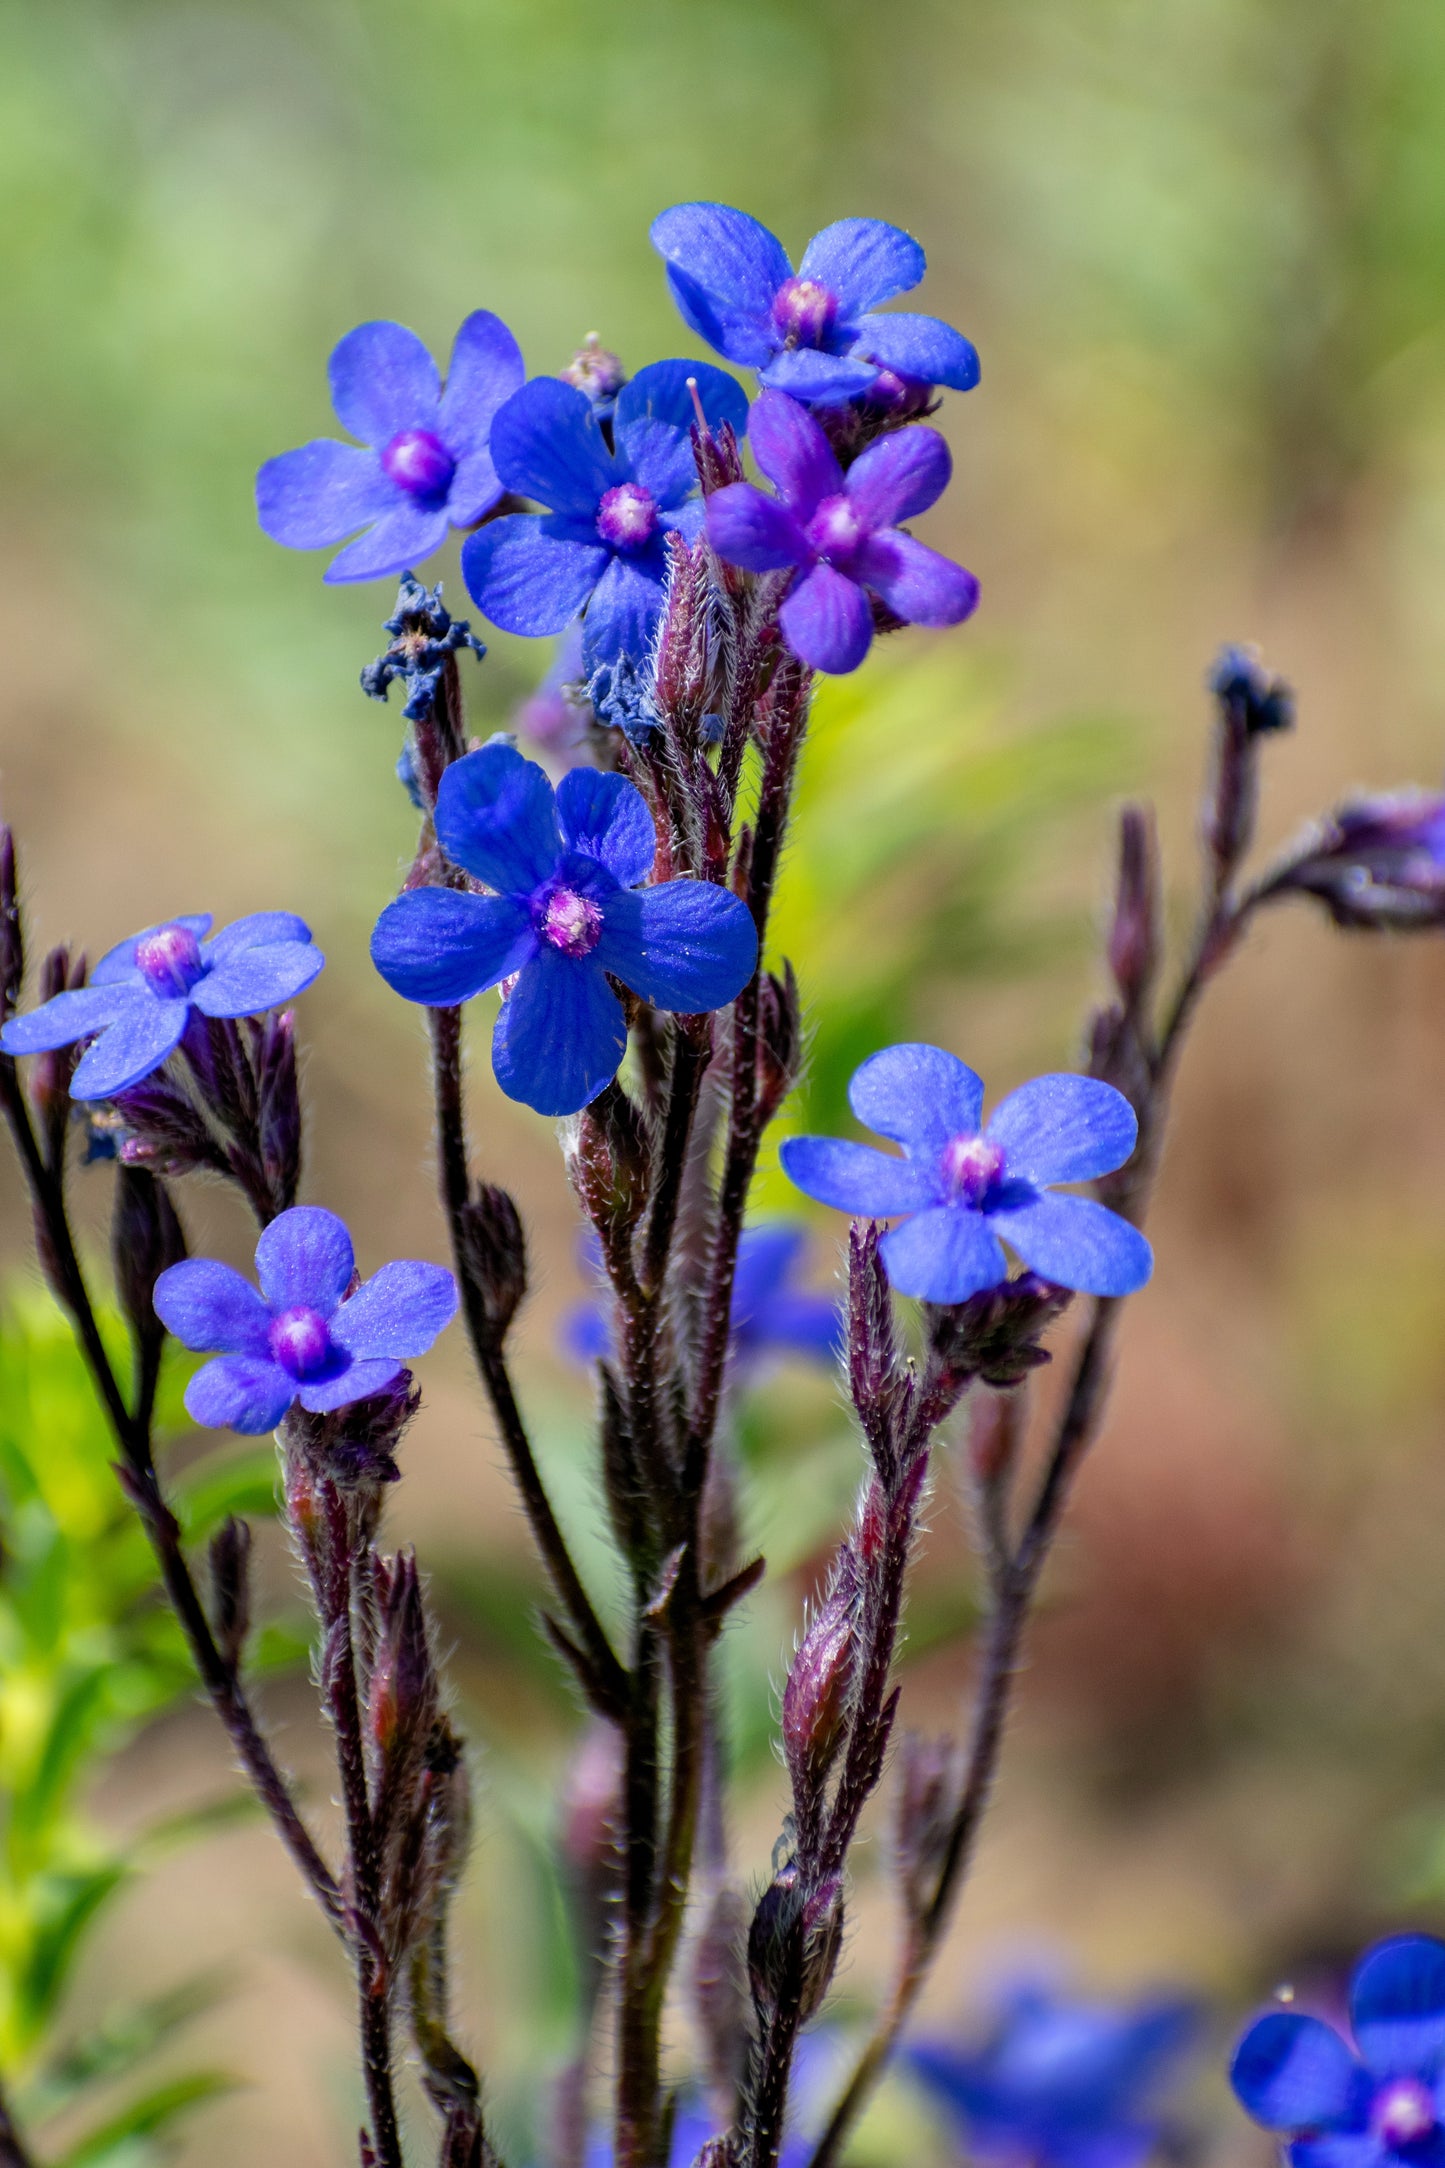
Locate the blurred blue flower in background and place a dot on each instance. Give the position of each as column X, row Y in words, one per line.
column 1058, row 2083
column 771, row 1314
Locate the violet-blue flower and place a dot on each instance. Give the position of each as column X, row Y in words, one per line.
column 424, row 462
column 602, row 542
column 772, row 1314
column 568, row 910
column 838, row 532
column 310, row 1334
column 1376, row 2105
column 143, row 992
column 1059, row 2083
column 958, row 1187
column 813, row 332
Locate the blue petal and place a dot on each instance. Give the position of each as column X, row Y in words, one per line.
column 607, row 818
column 1076, row 1243
column 305, row 1257
column 1354, row 2149
column 944, row 1254
column 311, row 498
column 397, row 1312
column 688, row 946
column 918, row 346
column 757, row 532
column 240, row 1392
column 258, row 929
column 1063, row 1128
column 530, row 574
column 496, row 815
column 1397, row 2006
column 1293, row 2072
column 403, row 539
column 585, row 1333
column 383, row 380
column 546, row 444
column 356, row 1381
column 127, row 1050
column 661, row 459
column 207, row 1305
column 486, row 368
column 918, row 584
column 440, row 947
column 919, row 1095
column 863, row 261
column 253, row 980
column 899, row 476
column 663, row 392
column 818, row 379
column 731, row 256
column 626, row 603
column 560, row 1036
column 826, row 620
column 767, row 1256
column 118, row 966
column 748, row 337
column 64, row 1018
column 794, row 453
column 856, row 1178
column 806, row 1324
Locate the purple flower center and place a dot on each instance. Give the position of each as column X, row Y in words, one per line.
column 804, row 311
column 169, row 960
column 627, row 516
column 419, row 463
column 572, row 923
column 835, row 529
column 300, row 1341
column 1404, row 2112
column 972, row 1170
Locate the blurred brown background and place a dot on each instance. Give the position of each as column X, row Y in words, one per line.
column 1201, row 247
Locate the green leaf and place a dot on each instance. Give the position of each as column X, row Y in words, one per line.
column 151, row 2116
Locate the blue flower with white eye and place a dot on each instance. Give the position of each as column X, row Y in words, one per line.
column 142, row 994
column 569, row 910
column 1380, row 2104
column 958, row 1187
column 310, row 1334
column 815, row 332
column 424, row 462
column 1059, row 2083
column 771, row 1313
column 602, row 542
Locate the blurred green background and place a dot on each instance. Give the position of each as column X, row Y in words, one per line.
column 1201, row 247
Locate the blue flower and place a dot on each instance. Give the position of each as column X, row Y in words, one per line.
column 838, row 532
column 812, row 333
column 602, row 543
column 1339, row 2108
column 568, row 911
column 423, row 464
column 306, row 1336
column 956, row 1190
column 1060, row 2084
column 771, row 1314
column 142, row 993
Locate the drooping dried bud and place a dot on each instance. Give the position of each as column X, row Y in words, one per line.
column 1134, row 930
column 780, row 1039
column 817, row 1696
column 492, row 1256
column 231, row 1588
column 12, row 931
column 146, row 1238
column 1375, row 864
column 1251, row 705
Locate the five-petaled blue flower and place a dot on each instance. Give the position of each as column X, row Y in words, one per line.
column 424, row 462
column 1382, row 2106
column 1057, row 2083
column 142, row 992
column 568, row 910
column 837, row 530
column 771, row 1313
column 307, row 1335
column 961, row 1189
column 811, row 332
column 602, row 542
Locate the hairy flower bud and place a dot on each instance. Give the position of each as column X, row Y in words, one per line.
column 1375, row 864
column 878, row 1382
column 607, row 1161
column 492, row 1256
column 1251, row 704
column 146, row 1237
column 794, row 1941
column 927, row 1799
column 50, row 1073
column 402, row 1698
column 231, row 1588
column 278, row 1120
column 162, row 1129
column 1134, row 930
column 820, row 1683
column 12, row 932
column 780, row 1039
column 994, row 1335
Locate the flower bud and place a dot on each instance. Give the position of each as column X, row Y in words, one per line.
column 1251, row 705
column 231, row 1588
column 994, row 1335
column 278, row 1121
column 146, row 1238
column 607, row 1161
column 160, row 1128
column 1376, row 863
column 596, row 372
column 879, row 1384
column 12, row 933
column 927, row 1799
column 1134, row 931
column 794, row 1941
column 492, row 1256
column 817, row 1696
column 402, row 1696
column 50, row 1073
column 780, row 1039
